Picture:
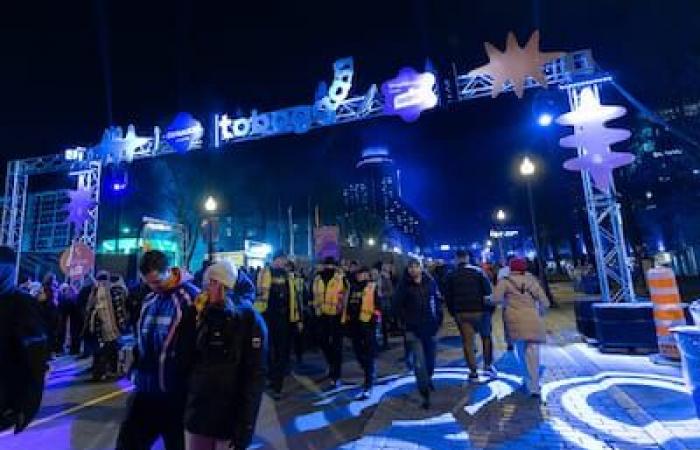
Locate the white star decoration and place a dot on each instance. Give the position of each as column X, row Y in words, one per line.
column 79, row 208
column 115, row 147
column 595, row 138
column 516, row 64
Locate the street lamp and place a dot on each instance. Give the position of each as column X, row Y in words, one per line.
column 371, row 242
column 501, row 217
column 527, row 170
column 210, row 206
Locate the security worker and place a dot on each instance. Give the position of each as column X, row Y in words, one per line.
column 329, row 289
column 360, row 316
column 277, row 301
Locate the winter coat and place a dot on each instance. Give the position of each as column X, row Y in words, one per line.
column 524, row 301
column 419, row 305
column 466, row 289
column 107, row 314
column 23, row 354
column 165, row 340
column 229, row 373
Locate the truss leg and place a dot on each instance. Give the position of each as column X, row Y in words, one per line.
column 14, row 209
column 89, row 180
column 605, row 221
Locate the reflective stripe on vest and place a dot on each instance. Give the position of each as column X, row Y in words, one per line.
column 367, row 307
column 264, row 284
column 328, row 297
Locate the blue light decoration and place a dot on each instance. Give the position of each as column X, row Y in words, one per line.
column 116, row 147
column 545, row 119
column 409, row 94
column 184, row 133
column 81, row 202
column 296, row 119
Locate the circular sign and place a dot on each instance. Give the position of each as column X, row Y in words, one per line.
column 77, row 261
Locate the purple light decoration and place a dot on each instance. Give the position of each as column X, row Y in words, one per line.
column 600, row 166
column 81, row 202
column 595, row 139
column 409, row 94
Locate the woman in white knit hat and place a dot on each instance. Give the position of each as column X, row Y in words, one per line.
column 230, row 368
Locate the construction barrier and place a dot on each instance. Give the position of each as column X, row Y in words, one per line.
column 668, row 312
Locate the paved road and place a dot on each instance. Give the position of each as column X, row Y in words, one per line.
column 592, row 401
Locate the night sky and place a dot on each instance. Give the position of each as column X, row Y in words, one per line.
column 72, row 68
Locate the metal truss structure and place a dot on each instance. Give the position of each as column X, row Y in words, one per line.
column 570, row 72
column 605, row 220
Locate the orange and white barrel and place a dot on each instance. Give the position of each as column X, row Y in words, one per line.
column 667, row 308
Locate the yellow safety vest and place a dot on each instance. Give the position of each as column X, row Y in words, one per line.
column 264, row 284
column 367, row 306
column 328, row 298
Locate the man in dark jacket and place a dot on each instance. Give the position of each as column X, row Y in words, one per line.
column 419, row 304
column 163, row 358
column 278, row 303
column 23, row 350
column 466, row 291
column 230, row 365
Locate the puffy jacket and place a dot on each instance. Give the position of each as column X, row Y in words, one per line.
column 419, row 305
column 229, row 373
column 244, row 289
column 466, row 289
column 23, row 353
column 165, row 340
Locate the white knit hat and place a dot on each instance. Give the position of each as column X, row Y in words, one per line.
column 224, row 272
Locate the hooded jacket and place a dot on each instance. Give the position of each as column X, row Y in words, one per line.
column 419, row 304
column 229, row 373
column 23, row 352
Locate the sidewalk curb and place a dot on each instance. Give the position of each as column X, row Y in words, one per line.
column 664, row 439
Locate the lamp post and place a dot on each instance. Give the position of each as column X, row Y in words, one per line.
column 500, row 218
column 527, row 170
column 210, row 206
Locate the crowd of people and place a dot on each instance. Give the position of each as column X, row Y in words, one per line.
column 201, row 350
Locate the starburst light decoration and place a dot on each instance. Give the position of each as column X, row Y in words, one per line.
column 116, row 147
column 81, row 202
column 516, row 64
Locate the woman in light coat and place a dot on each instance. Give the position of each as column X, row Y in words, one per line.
column 524, row 303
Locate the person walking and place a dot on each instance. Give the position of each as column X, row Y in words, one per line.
column 524, row 303
column 23, row 350
column 106, row 320
column 165, row 345
column 329, row 289
column 230, row 364
column 278, row 305
column 68, row 319
column 467, row 292
column 360, row 314
column 419, row 304
column 47, row 297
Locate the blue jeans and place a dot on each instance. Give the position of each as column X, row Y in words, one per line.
column 422, row 355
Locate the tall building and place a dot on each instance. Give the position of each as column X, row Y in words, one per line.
column 661, row 189
column 375, row 196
